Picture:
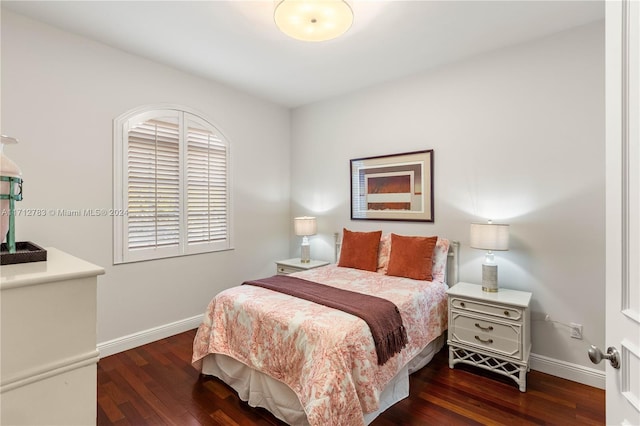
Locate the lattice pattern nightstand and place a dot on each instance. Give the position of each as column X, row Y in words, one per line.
column 490, row 330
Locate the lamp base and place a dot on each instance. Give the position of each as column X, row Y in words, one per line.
column 490, row 278
column 305, row 253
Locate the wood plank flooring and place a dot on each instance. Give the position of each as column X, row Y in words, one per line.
column 156, row 385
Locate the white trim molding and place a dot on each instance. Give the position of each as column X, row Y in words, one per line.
column 566, row 370
column 140, row 338
column 52, row 369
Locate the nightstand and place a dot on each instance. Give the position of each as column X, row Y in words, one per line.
column 289, row 266
column 490, row 330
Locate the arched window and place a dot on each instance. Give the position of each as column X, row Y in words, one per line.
column 171, row 185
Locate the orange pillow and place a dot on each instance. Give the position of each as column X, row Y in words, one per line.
column 360, row 250
column 411, row 257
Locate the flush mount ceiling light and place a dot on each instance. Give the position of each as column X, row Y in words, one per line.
column 313, row 20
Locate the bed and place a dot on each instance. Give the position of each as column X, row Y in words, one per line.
column 311, row 364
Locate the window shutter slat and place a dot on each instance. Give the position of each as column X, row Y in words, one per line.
column 206, row 169
column 154, row 185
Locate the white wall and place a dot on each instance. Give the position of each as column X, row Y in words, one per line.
column 518, row 137
column 60, row 93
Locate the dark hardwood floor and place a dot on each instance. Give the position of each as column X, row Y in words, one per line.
column 156, row 385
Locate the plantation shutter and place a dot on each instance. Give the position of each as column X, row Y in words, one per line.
column 171, row 176
column 154, row 184
column 207, row 185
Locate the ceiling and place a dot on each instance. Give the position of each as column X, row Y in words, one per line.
column 238, row 44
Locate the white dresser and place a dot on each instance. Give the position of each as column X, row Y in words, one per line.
column 490, row 330
column 48, row 352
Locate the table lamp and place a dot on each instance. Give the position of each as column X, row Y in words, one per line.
column 490, row 236
column 304, row 227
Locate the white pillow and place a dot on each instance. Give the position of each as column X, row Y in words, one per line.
column 440, row 255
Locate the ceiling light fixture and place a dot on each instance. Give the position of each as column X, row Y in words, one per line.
column 313, row 20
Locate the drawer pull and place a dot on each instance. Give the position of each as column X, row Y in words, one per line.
column 483, row 341
column 506, row 313
column 462, row 304
column 490, row 328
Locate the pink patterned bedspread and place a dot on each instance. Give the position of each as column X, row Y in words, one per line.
column 327, row 357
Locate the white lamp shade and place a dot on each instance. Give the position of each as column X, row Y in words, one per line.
column 313, row 20
column 490, row 236
column 305, row 226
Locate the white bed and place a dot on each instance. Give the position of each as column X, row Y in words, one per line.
column 327, row 372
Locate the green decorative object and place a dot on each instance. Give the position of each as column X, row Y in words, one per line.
column 11, row 233
column 10, row 192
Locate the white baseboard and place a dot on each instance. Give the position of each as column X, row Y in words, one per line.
column 134, row 340
column 566, row 370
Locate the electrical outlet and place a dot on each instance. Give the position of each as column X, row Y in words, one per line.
column 576, row 330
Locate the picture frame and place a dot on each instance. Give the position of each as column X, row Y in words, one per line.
column 393, row 187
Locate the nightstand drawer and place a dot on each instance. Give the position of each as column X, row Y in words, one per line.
column 499, row 311
column 502, row 338
column 289, row 266
column 286, row 270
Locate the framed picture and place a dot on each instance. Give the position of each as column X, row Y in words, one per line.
column 393, row 187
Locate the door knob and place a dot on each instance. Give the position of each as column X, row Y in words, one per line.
column 596, row 355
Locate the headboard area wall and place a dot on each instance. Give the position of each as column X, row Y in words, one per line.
column 453, row 261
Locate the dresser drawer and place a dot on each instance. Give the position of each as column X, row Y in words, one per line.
column 499, row 337
column 498, row 311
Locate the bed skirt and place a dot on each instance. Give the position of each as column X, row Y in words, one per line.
column 261, row 390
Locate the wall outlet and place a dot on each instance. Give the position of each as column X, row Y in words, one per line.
column 576, row 330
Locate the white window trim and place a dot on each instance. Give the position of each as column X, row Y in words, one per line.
column 120, row 138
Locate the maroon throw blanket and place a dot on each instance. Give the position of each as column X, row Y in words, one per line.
column 382, row 316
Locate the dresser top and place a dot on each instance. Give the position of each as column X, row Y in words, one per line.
column 58, row 266
column 503, row 295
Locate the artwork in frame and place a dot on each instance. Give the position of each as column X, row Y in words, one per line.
column 393, row 187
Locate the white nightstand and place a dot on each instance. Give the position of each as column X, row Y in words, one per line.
column 289, row 266
column 490, row 330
